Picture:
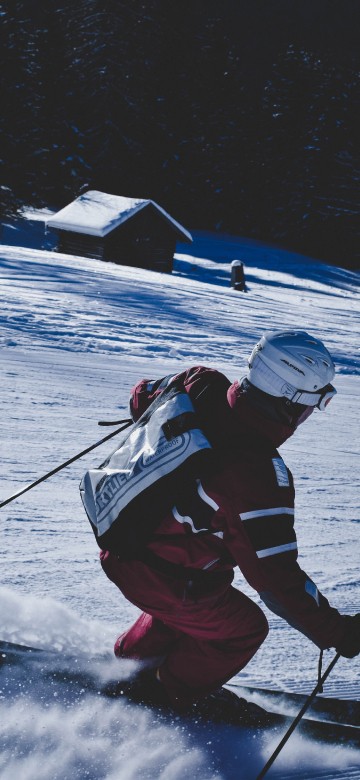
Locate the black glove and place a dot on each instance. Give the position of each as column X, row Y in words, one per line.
column 350, row 643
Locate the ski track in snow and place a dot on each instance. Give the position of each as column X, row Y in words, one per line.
column 75, row 335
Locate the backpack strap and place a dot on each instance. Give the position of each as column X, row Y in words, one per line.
column 180, row 424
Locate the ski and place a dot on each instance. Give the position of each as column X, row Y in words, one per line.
column 323, row 708
column 81, row 674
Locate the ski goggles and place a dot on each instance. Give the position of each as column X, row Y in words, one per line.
column 320, row 401
column 327, row 393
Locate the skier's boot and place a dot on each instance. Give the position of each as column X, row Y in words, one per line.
column 144, row 688
column 224, row 706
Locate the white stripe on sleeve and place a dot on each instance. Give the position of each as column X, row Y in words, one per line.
column 279, row 510
column 276, row 550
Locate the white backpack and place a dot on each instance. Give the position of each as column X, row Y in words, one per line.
column 131, row 492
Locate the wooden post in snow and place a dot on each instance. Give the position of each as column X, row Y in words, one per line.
column 237, row 275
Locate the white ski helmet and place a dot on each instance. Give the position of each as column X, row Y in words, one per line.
column 295, row 365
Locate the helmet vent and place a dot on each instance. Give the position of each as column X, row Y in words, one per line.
column 309, row 360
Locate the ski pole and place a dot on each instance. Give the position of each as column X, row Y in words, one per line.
column 67, row 463
column 292, row 727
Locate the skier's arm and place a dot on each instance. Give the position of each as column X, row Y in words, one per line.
column 262, row 539
column 288, row 591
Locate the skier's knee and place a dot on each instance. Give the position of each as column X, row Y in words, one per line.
column 263, row 627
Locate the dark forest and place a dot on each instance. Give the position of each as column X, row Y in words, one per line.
column 239, row 116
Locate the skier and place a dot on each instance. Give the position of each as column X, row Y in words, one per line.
column 196, row 630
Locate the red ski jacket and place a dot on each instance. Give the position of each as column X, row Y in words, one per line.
column 244, row 514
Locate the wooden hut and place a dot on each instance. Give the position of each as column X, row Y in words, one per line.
column 129, row 231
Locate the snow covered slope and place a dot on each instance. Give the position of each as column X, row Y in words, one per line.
column 75, row 335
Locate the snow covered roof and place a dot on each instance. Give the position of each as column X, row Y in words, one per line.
column 97, row 214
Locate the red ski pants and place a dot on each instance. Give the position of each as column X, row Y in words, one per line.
column 205, row 635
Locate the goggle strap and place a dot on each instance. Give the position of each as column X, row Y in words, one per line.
column 320, row 400
column 307, row 399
